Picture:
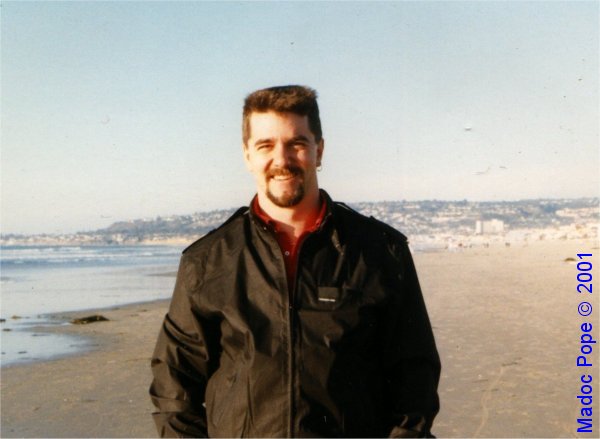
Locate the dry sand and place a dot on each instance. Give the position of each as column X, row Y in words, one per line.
column 505, row 321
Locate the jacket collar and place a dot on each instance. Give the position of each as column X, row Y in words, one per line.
column 263, row 218
column 330, row 220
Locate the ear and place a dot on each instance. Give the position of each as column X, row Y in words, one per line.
column 246, row 153
column 320, row 148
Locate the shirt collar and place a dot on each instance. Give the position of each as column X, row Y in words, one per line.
column 267, row 220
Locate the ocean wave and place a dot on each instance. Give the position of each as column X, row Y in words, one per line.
column 77, row 255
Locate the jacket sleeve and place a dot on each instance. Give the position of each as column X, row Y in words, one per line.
column 411, row 359
column 181, row 362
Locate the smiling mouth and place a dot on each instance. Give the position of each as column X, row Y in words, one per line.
column 284, row 174
column 283, row 177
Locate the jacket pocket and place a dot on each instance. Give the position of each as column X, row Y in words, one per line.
column 330, row 298
column 222, row 392
column 329, row 294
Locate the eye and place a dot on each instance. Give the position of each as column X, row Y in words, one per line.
column 300, row 144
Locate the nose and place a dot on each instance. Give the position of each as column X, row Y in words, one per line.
column 281, row 155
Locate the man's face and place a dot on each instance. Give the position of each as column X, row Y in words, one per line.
column 283, row 156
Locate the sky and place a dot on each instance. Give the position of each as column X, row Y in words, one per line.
column 123, row 110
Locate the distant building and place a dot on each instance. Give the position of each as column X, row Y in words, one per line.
column 489, row 227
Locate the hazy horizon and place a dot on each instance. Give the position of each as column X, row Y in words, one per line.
column 125, row 110
column 111, row 221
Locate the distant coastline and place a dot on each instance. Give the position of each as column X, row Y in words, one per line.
column 429, row 223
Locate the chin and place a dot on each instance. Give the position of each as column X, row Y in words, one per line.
column 287, row 199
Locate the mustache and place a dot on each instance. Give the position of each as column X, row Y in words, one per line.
column 287, row 171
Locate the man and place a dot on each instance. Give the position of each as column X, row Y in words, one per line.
column 298, row 317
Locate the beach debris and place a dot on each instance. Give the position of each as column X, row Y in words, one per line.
column 22, row 352
column 15, row 317
column 89, row 319
column 570, row 260
column 483, row 172
column 7, row 329
column 2, row 320
column 511, row 363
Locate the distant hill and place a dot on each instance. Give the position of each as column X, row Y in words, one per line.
column 196, row 224
column 410, row 216
column 422, row 218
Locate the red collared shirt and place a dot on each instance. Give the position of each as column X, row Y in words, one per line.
column 289, row 247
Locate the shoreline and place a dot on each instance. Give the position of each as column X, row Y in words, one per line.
column 88, row 337
column 180, row 241
column 102, row 392
column 58, row 323
column 504, row 319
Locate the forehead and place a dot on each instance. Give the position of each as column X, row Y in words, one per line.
column 275, row 124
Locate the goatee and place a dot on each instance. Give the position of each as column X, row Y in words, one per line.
column 287, row 199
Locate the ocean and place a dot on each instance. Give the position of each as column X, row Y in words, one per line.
column 36, row 281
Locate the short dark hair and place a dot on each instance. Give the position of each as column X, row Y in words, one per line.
column 296, row 99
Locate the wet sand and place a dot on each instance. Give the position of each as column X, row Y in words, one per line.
column 506, row 325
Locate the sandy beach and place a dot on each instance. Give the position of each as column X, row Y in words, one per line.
column 505, row 321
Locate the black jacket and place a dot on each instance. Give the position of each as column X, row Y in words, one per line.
column 350, row 353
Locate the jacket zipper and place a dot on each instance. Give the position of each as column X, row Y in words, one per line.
column 291, row 352
column 290, row 427
column 292, row 332
column 291, row 327
column 290, row 343
column 293, row 335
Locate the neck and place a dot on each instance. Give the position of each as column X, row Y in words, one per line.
column 293, row 220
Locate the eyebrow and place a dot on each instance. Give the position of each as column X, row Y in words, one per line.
column 265, row 140
column 300, row 137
